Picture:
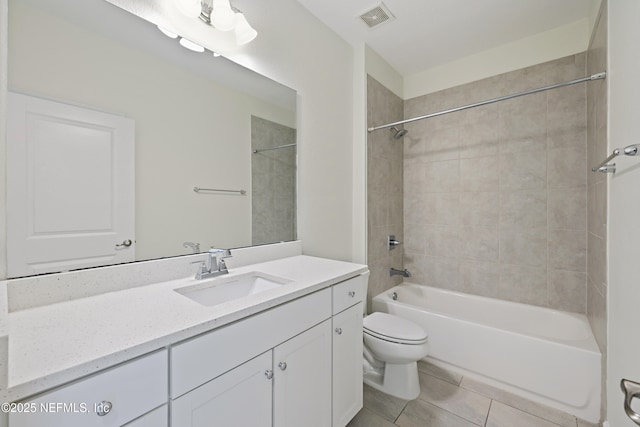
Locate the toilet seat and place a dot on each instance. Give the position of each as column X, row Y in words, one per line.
column 392, row 328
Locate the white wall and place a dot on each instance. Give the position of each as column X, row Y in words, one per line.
column 190, row 131
column 624, row 206
column 293, row 47
column 554, row 44
column 384, row 73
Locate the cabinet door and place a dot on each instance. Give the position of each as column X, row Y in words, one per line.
column 347, row 365
column 302, row 379
column 241, row 397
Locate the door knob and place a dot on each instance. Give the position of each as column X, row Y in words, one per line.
column 631, row 390
column 125, row 243
column 282, row 365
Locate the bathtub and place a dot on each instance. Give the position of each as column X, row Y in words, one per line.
column 544, row 355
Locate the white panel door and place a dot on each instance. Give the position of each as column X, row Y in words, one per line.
column 302, row 379
column 347, row 365
column 70, row 187
column 241, row 397
column 623, row 288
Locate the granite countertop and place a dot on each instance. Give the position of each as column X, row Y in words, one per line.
column 54, row 344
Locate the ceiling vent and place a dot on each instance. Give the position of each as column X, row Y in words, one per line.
column 377, row 16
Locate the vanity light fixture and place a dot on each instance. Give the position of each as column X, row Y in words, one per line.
column 168, row 33
column 220, row 15
column 191, row 45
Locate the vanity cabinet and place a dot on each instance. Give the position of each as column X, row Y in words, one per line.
column 240, row 397
column 302, row 379
column 296, row 364
column 111, row 398
column 347, row 365
column 289, row 385
column 348, row 300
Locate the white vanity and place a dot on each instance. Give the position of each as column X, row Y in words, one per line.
column 287, row 356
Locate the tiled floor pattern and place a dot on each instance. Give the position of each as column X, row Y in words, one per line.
column 448, row 399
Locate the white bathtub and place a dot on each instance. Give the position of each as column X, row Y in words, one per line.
column 544, row 355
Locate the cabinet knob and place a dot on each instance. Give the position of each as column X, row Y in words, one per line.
column 103, row 408
column 268, row 373
column 352, row 294
column 339, row 331
column 282, row 365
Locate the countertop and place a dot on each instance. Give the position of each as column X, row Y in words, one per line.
column 54, row 344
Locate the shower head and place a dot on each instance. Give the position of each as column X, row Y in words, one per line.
column 398, row 133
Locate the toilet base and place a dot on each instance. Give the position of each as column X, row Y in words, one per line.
column 398, row 380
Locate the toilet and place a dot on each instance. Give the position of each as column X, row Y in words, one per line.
column 392, row 348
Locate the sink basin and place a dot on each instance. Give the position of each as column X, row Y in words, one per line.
column 224, row 289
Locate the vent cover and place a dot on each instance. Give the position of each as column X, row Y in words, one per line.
column 376, row 16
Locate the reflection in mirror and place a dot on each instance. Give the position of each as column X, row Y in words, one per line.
column 193, row 121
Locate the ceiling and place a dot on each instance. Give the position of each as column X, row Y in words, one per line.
column 428, row 33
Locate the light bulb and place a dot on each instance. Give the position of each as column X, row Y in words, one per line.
column 189, row 8
column 168, row 33
column 244, row 32
column 191, row 45
column 222, row 17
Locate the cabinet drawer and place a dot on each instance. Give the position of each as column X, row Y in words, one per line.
column 210, row 355
column 132, row 389
column 349, row 292
column 156, row 418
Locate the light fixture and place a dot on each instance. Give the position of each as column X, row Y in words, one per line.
column 189, row 8
column 168, row 33
column 191, row 45
column 221, row 15
column 244, row 32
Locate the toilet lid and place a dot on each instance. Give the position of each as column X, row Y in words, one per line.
column 393, row 328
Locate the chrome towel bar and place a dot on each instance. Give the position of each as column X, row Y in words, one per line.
column 198, row 190
column 604, row 167
column 273, row 148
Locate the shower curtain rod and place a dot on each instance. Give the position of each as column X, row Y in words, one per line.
column 597, row 76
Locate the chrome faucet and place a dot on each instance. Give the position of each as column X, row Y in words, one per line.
column 217, row 265
column 195, row 247
column 396, row 272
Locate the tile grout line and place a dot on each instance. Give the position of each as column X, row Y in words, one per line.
column 488, row 412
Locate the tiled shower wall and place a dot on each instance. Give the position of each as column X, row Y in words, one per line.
column 597, row 105
column 273, row 183
column 495, row 196
column 384, row 194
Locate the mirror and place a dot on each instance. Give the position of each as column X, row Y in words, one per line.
column 197, row 120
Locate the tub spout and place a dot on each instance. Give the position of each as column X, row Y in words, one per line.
column 396, row 272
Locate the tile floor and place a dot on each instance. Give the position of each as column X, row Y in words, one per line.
column 451, row 400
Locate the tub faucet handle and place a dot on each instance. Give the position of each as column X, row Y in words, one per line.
column 392, row 242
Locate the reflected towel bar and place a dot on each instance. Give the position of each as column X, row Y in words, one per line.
column 630, row 150
column 273, row 148
column 198, row 189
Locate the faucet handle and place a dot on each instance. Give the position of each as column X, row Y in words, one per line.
column 201, row 269
column 225, row 253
